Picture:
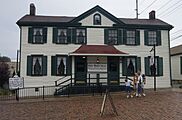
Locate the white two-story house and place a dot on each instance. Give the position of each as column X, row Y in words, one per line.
column 94, row 44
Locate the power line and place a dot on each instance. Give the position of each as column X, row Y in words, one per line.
column 176, row 38
column 164, row 5
column 167, row 9
column 176, row 32
column 141, row 2
column 147, row 7
column 169, row 13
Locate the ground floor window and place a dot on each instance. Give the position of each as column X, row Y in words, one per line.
column 60, row 65
column 130, row 65
column 36, row 65
column 150, row 67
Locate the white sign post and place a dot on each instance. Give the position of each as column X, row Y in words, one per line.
column 15, row 83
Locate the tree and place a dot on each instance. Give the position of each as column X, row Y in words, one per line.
column 4, row 73
column 5, row 59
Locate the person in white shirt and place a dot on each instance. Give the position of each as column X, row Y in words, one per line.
column 128, row 87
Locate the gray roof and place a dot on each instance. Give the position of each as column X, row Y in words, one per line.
column 176, row 50
column 135, row 21
column 40, row 18
column 66, row 19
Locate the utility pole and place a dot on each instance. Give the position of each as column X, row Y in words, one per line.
column 137, row 9
column 154, row 70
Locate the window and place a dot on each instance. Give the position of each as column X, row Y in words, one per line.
column 131, row 37
column 112, row 37
column 62, row 36
column 97, row 19
column 130, row 65
column 37, row 35
column 80, row 36
column 36, row 65
column 153, row 37
column 150, row 67
column 60, row 65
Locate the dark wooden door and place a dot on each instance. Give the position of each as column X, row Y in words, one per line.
column 80, row 70
column 113, row 70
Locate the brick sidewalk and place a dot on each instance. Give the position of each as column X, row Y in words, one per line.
column 165, row 104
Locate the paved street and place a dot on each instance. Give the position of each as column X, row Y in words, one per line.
column 165, row 104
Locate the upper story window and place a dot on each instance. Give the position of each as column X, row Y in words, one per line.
column 62, row 36
column 80, row 36
column 97, row 19
column 36, row 65
column 152, row 37
column 37, row 35
column 112, row 37
column 131, row 37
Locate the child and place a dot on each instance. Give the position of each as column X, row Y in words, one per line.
column 128, row 87
column 142, row 84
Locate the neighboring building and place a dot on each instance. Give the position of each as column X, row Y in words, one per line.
column 96, row 43
column 176, row 64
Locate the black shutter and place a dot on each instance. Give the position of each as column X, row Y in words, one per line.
column 29, row 65
column 45, row 35
column 44, row 65
column 138, row 63
column 68, row 65
column 53, row 65
column 55, row 33
column 68, row 36
column 124, row 37
column 158, row 37
column 30, row 35
column 145, row 37
column 160, row 66
column 120, row 36
column 147, row 66
column 124, row 66
column 137, row 37
column 74, row 35
column 106, row 35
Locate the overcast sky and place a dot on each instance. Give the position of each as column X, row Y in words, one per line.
column 11, row 10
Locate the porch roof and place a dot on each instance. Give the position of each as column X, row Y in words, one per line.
column 100, row 50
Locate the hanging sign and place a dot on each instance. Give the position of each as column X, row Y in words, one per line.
column 97, row 67
column 15, row 83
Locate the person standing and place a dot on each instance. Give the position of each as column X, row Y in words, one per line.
column 128, row 87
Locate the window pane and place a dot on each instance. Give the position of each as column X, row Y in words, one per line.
column 61, row 65
column 152, row 37
column 131, row 39
column 62, row 36
column 80, row 36
column 131, row 66
column 152, row 66
column 37, row 35
column 112, row 37
column 97, row 20
column 37, row 66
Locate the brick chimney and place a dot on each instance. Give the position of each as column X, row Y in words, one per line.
column 152, row 15
column 32, row 9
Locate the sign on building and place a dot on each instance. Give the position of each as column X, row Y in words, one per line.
column 15, row 83
column 97, row 67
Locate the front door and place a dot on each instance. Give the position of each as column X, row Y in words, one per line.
column 113, row 70
column 80, row 70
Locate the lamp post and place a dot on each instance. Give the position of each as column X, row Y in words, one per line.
column 154, row 66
